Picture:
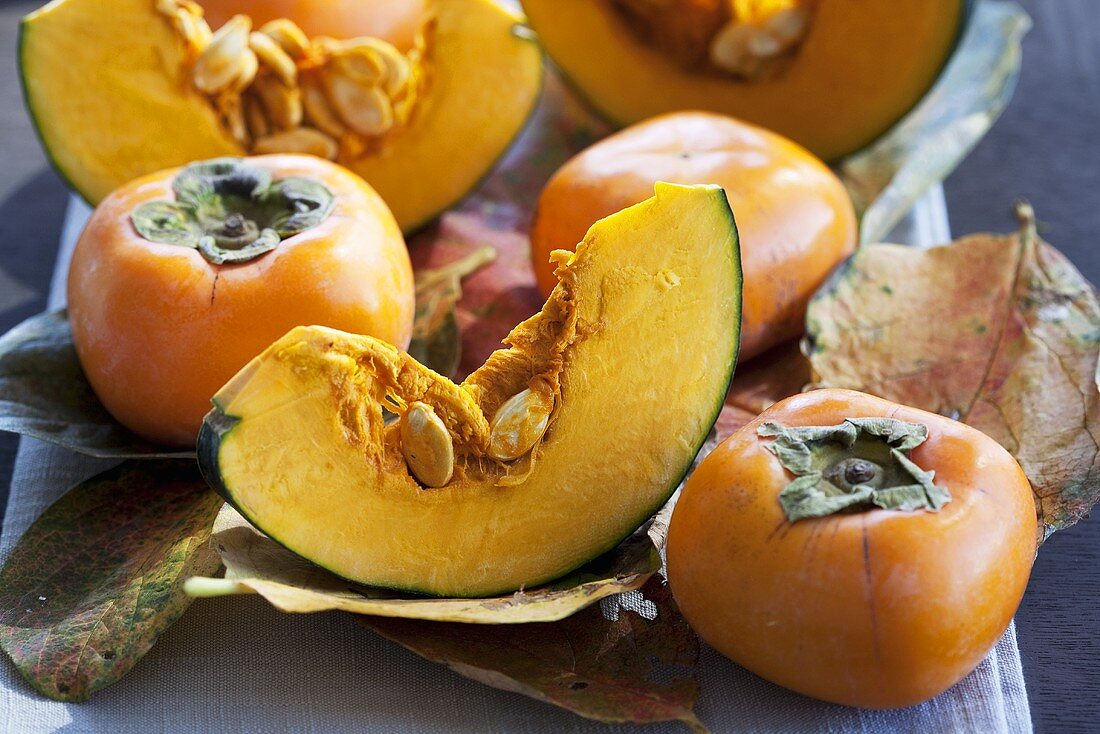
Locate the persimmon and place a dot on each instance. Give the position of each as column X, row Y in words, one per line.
column 853, row 549
column 181, row 277
column 795, row 219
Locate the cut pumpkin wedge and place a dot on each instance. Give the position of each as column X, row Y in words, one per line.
column 858, row 69
column 562, row 443
column 108, row 85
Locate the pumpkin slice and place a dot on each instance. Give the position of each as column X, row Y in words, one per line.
column 547, row 456
column 111, row 87
column 830, row 74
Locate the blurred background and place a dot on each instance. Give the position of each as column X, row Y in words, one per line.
column 1044, row 148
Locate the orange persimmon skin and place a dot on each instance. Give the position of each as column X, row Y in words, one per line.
column 794, row 217
column 397, row 21
column 158, row 329
column 878, row 608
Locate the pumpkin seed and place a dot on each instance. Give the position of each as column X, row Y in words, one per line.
column 249, row 66
column 395, row 68
column 790, row 25
column 764, row 46
column 357, row 61
column 230, row 108
column 301, row 140
column 427, row 445
column 398, row 78
column 318, row 110
column 365, row 109
column 227, row 61
column 730, row 50
column 281, row 103
column 288, row 35
column 254, row 116
column 272, row 55
column 195, row 31
column 745, row 49
column 348, row 90
column 520, row 422
column 186, row 18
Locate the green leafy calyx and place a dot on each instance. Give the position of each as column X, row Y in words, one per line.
column 232, row 212
column 859, row 464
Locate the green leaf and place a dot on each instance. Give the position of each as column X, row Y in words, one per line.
column 632, row 659
column 303, row 203
column 886, row 178
column 201, row 182
column 232, row 212
column 45, row 395
column 256, row 564
column 859, row 463
column 98, row 577
column 805, row 498
column 168, row 222
column 1000, row 332
column 265, row 240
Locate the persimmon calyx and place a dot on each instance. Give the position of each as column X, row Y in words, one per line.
column 232, row 212
column 859, row 464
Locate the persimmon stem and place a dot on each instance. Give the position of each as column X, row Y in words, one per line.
column 853, row 471
column 860, row 464
column 232, row 212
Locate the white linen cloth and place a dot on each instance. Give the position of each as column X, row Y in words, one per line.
column 237, row 665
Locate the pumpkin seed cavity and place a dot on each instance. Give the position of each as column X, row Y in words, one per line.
column 515, row 431
column 521, row 421
column 748, row 40
column 278, row 91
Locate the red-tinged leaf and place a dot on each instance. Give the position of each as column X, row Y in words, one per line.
column 766, row 379
column 497, row 296
column 632, row 659
column 99, row 576
column 770, row 377
column 1001, row 332
column 436, row 340
column 730, row 420
column 498, row 215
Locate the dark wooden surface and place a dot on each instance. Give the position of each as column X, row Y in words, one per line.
column 1045, row 148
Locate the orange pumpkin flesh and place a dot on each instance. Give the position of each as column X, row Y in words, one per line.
column 159, row 329
column 99, row 107
column 861, row 67
column 794, row 217
column 875, row 608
